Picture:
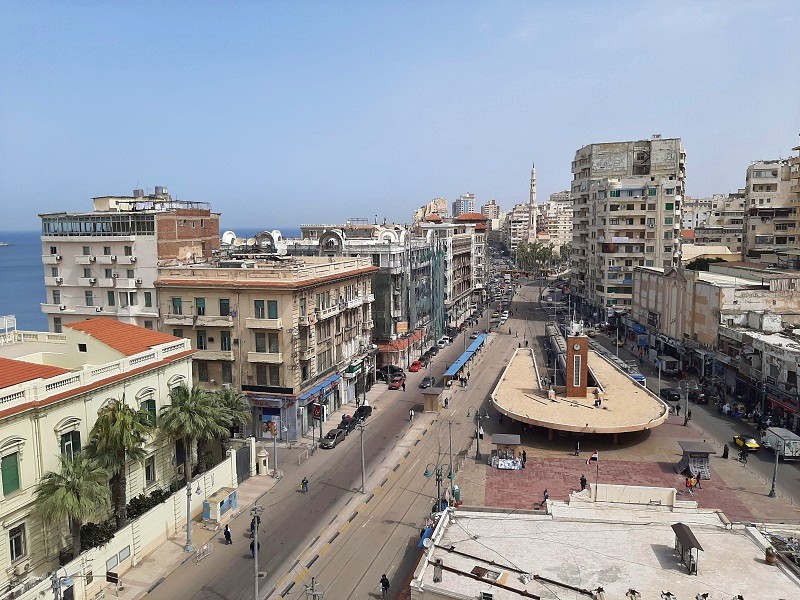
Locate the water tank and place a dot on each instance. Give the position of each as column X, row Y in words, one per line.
column 138, row 193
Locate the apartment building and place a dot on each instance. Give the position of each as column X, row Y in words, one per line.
column 51, row 387
column 516, row 227
column 465, row 204
column 626, row 213
column 770, row 218
column 723, row 220
column 695, row 211
column 290, row 332
column 555, row 219
column 491, row 210
column 437, row 207
column 104, row 262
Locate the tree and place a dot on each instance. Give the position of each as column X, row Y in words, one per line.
column 118, row 436
column 76, row 493
column 236, row 405
column 701, row 263
column 196, row 416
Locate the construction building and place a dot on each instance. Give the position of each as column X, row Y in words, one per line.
column 770, row 218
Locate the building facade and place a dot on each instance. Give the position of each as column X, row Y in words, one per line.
column 51, row 387
column 104, row 263
column 290, row 332
column 626, row 213
column 465, row 204
column 491, row 210
column 555, row 219
column 770, row 218
column 516, row 227
column 723, row 220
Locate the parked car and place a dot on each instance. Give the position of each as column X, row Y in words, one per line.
column 348, row 424
column 474, row 336
column 427, row 382
column 397, row 382
column 745, row 441
column 386, row 372
column 434, row 350
column 332, row 438
column 362, row 412
column 618, row 343
column 670, row 394
column 415, row 366
column 698, row 396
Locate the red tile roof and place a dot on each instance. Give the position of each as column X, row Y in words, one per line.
column 688, row 234
column 470, row 217
column 13, row 372
column 433, row 218
column 124, row 338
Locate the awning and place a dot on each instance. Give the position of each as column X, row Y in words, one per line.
column 507, row 439
column 686, row 537
column 473, row 347
column 456, row 366
column 319, row 387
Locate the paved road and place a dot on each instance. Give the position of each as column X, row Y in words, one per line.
column 354, row 537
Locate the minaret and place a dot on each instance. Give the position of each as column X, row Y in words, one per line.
column 532, row 207
column 533, row 185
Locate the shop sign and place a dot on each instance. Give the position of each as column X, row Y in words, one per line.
column 316, row 411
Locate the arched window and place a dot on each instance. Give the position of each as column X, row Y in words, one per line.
column 69, row 434
column 146, row 399
column 10, row 458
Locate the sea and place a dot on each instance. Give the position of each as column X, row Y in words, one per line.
column 22, row 274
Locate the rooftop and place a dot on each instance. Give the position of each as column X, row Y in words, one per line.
column 124, row 338
column 627, row 406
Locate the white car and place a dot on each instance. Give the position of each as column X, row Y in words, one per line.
column 505, row 314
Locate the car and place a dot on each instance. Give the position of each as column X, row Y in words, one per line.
column 474, row 335
column 670, row 394
column 698, row 397
column 745, row 441
column 434, row 350
column 618, row 343
column 427, row 382
column 347, row 424
column 362, row 413
column 332, row 438
column 591, row 333
column 397, row 382
column 415, row 366
column 386, row 372
column 495, row 315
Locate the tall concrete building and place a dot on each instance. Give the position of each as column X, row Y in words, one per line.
column 770, row 219
column 722, row 222
column 517, row 227
column 105, row 262
column 465, row 204
column 491, row 210
column 555, row 219
column 626, row 213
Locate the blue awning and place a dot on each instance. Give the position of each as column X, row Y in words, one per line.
column 473, row 347
column 456, row 366
column 319, row 387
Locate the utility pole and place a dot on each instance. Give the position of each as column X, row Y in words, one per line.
column 311, row 591
column 361, row 429
column 256, row 512
column 778, row 447
column 450, row 435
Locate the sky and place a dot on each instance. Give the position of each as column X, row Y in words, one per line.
column 282, row 113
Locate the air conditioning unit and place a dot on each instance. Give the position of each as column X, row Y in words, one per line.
column 59, row 280
column 487, row 596
column 57, row 256
column 92, row 280
column 92, row 258
column 62, row 307
column 113, row 257
column 98, row 309
column 133, row 259
column 114, row 275
column 138, row 281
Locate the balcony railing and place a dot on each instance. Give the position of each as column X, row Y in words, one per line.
column 214, row 321
column 265, row 357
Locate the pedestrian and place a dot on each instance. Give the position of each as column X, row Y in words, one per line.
column 411, row 414
column 227, row 534
column 577, row 448
column 725, row 452
column 253, row 549
column 526, row 343
column 468, row 373
column 689, row 486
column 583, row 482
column 253, row 527
column 697, row 481
column 524, row 458
column 404, row 385
column 678, row 410
column 446, row 401
column 545, row 498
column 384, row 585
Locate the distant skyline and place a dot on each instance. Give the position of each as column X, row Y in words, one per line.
column 282, row 113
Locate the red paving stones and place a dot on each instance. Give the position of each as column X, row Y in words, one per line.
column 560, row 476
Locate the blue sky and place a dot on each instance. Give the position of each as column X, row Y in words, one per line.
column 281, row 113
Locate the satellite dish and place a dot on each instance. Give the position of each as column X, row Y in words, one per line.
column 228, row 237
column 238, row 242
column 251, row 241
column 427, row 542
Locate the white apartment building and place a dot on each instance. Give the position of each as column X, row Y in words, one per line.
column 555, row 219
column 723, row 221
column 105, row 262
column 770, row 219
column 465, row 204
column 696, row 211
column 51, row 387
column 516, row 227
column 491, row 210
column 626, row 213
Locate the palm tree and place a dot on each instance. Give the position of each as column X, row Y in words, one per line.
column 76, row 493
column 118, row 436
column 236, row 405
column 196, row 416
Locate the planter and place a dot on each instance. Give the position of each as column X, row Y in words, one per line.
column 770, row 557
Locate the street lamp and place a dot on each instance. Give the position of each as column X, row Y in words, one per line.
column 188, row 547
column 685, row 388
column 256, row 511
column 68, row 580
column 438, row 472
column 361, row 427
column 480, row 414
column 775, row 468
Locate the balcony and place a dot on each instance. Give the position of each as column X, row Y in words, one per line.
column 274, row 358
column 87, row 281
column 327, row 312
column 253, row 323
column 224, row 355
column 127, row 283
column 305, row 320
column 355, row 302
column 126, row 260
column 110, row 282
column 178, row 319
column 50, row 281
column 51, row 259
column 106, row 259
column 55, row 309
column 307, row 353
column 85, row 260
column 214, row 321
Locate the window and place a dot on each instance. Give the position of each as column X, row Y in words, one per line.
column 56, row 296
column 177, row 333
column 669, row 206
column 108, row 273
column 304, row 372
column 202, row 340
column 272, row 338
column 149, row 406
column 110, row 299
column 148, row 325
column 177, row 306
column 54, row 271
column 667, row 220
column 89, row 298
column 274, row 375
column 652, row 191
column 225, row 340
column 261, row 342
column 202, row 370
column 148, row 298
column 53, row 250
column 128, row 250
column 614, row 194
column 667, row 235
column 224, row 307
column 82, row 348
column 650, row 249
column 576, row 370
column 227, row 373
column 258, row 307
column 272, row 309
column 200, row 306
column 57, row 327
column 9, row 466
column 651, row 207
column 130, row 273
column 150, row 470
column 87, row 250
column 261, row 374
column 70, row 443
column 16, row 542
column 132, row 298
column 106, row 250
column 303, row 306
column 87, row 272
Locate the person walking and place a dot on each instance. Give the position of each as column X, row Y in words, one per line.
column 404, row 385
column 252, row 548
column 678, row 409
column 446, row 401
column 411, row 415
column 583, row 482
column 524, row 458
column 304, row 485
column 545, row 498
column 253, row 527
column 384, row 585
column 227, row 533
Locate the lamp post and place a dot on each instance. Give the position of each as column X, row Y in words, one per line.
column 480, row 414
column 361, row 427
column 275, row 448
column 256, row 512
column 775, row 468
column 188, row 547
column 437, row 471
column 685, row 388
column 56, row 582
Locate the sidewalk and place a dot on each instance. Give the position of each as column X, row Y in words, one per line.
column 151, row 570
